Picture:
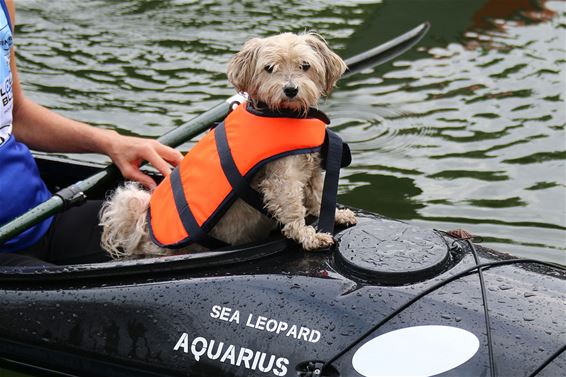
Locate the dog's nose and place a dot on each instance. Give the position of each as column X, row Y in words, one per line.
column 290, row 91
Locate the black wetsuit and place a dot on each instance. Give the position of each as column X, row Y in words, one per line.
column 72, row 238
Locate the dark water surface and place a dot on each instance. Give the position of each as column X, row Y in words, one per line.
column 465, row 131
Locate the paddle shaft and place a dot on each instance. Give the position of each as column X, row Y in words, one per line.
column 75, row 193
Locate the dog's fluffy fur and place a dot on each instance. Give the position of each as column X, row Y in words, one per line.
column 291, row 186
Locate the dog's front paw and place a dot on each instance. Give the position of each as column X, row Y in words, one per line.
column 307, row 236
column 317, row 241
column 345, row 217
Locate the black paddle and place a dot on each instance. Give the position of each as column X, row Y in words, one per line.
column 75, row 193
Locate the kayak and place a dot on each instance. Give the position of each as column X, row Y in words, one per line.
column 388, row 298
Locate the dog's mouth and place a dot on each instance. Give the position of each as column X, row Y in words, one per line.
column 296, row 104
column 280, row 101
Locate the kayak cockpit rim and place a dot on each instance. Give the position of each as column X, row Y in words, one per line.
column 182, row 262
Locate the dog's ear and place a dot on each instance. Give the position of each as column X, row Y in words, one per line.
column 241, row 67
column 333, row 64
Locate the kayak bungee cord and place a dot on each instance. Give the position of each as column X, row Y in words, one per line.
column 75, row 193
column 548, row 361
column 468, row 240
column 327, row 364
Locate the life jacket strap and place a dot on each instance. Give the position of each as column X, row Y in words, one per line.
column 187, row 218
column 239, row 184
column 337, row 154
column 333, row 162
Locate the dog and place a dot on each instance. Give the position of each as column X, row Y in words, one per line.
column 286, row 72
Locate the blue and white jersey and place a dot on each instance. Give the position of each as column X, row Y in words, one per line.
column 6, row 97
column 21, row 187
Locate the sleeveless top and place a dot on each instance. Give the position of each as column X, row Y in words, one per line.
column 21, row 187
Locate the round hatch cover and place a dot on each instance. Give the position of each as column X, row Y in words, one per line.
column 391, row 252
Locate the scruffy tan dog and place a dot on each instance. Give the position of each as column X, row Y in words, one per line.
column 283, row 72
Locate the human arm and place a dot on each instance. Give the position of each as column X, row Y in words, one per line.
column 45, row 130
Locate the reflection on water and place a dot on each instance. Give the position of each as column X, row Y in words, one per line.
column 465, row 131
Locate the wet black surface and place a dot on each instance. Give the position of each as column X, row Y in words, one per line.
column 182, row 316
column 391, row 252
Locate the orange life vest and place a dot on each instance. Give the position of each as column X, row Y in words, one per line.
column 218, row 169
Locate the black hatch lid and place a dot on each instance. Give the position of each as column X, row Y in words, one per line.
column 390, row 252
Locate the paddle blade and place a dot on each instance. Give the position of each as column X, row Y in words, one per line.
column 387, row 51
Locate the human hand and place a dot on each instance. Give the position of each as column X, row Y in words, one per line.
column 128, row 153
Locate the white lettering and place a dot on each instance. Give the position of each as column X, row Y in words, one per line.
column 198, row 354
column 235, row 317
column 182, row 342
column 249, row 321
column 282, row 326
column 315, row 336
column 271, row 325
column 224, row 315
column 293, row 331
column 215, row 311
column 267, row 368
column 260, row 323
column 229, row 354
column 246, row 357
column 256, row 359
column 210, row 354
column 249, row 354
column 281, row 363
column 303, row 332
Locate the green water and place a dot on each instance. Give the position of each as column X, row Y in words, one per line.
column 466, row 131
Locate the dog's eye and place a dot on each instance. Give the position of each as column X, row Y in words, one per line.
column 305, row 66
column 268, row 68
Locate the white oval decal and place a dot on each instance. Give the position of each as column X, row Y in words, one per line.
column 416, row 351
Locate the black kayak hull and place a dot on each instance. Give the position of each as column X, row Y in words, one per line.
column 271, row 309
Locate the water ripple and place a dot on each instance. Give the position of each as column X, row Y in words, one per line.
column 468, row 129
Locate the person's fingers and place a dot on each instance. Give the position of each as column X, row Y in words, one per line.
column 157, row 161
column 134, row 174
column 172, row 155
column 133, row 150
